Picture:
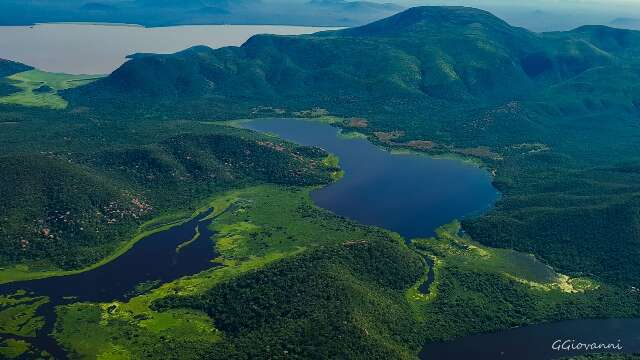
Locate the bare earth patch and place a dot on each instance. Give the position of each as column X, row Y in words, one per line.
column 388, row 136
column 482, row 152
column 421, row 144
column 357, row 123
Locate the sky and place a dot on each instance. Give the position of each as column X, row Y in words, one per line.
column 545, row 3
column 548, row 15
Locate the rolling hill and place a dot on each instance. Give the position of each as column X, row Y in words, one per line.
column 554, row 114
column 431, row 55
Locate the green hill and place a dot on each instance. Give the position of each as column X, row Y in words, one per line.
column 429, row 54
column 554, row 116
column 8, row 68
column 327, row 303
column 554, row 113
column 73, row 194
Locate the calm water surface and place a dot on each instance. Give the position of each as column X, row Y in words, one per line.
column 536, row 342
column 100, row 49
column 409, row 194
column 413, row 195
column 153, row 260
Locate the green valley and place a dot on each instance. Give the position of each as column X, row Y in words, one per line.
column 434, row 77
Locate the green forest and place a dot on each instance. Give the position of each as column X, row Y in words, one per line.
column 553, row 117
column 561, row 137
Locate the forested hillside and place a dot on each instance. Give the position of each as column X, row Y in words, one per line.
column 555, row 114
column 75, row 191
column 8, row 68
column 554, row 117
column 425, row 56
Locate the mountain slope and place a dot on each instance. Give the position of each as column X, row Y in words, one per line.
column 430, row 53
column 546, row 111
column 65, row 208
column 8, row 68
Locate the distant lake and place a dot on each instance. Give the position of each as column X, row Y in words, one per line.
column 100, row 49
column 410, row 194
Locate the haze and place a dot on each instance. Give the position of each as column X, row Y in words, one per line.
column 548, row 15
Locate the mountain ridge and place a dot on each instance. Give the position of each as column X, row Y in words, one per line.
column 427, row 16
column 465, row 61
column 541, row 109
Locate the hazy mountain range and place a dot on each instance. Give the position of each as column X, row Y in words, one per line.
column 626, row 22
column 174, row 12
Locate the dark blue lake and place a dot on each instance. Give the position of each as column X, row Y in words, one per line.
column 409, row 194
column 543, row 342
column 413, row 195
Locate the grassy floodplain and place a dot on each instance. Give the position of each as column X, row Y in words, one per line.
column 18, row 318
column 268, row 224
column 278, row 230
column 18, row 314
column 478, row 289
column 39, row 88
column 156, row 225
column 13, row 349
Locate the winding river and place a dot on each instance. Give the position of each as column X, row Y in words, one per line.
column 156, row 259
column 409, row 194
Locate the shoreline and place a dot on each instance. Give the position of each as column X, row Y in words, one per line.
column 133, row 25
column 14, row 274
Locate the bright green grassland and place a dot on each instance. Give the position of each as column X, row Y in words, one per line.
column 17, row 314
column 40, row 88
column 295, row 264
column 268, row 223
column 13, row 349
